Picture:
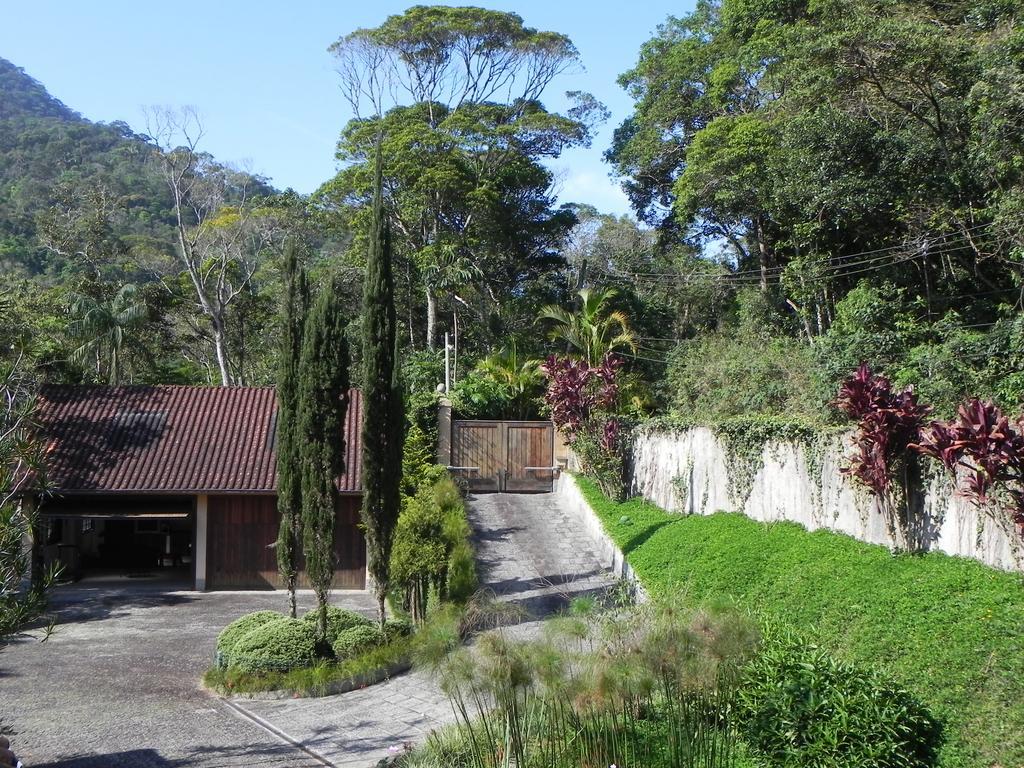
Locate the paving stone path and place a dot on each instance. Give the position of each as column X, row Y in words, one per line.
column 117, row 685
column 531, row 551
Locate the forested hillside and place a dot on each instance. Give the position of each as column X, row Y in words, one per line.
column 71, row 188
column 856, row 166
column 90, row 250
column 815, row 186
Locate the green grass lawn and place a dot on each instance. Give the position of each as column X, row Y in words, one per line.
column 950, row 630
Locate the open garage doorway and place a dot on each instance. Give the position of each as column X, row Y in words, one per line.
column 135, row 541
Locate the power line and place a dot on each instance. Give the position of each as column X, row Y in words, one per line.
column 939, row 240
column 775, row 278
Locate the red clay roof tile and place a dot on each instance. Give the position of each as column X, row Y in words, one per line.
column 171, row 439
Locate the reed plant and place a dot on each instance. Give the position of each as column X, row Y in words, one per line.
column 652, row 686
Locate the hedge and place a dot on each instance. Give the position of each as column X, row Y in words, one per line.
column 276, row 646
column 338, row 620
column 355, row 640
column 237, row 629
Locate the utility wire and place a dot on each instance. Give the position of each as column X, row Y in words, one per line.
column 734, row 278
column 939, row 240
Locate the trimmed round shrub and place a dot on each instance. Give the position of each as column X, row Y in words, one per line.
column 338, row 620
column 237, row 629
column 276, row 646
column 801, row 708
column 395, row 629
column 355, row 640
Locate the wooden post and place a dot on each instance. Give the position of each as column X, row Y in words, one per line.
column 447, row 365
column 444, row 432
column 200, row 553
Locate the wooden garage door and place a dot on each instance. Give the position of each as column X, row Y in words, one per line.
column 241, row 531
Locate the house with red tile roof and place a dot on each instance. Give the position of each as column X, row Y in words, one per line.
column 178, row 483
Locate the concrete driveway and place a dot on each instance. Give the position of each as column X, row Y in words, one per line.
column 117, row 684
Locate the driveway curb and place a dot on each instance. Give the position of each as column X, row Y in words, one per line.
column 276, row 732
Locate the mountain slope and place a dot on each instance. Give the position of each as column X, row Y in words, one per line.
column 24, row 96
column 70, row 186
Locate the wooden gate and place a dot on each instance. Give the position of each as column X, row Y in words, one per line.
column 504, row 456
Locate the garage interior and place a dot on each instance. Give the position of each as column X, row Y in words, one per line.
column 143, row 540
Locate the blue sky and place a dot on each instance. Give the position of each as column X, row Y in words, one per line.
column 259, row 74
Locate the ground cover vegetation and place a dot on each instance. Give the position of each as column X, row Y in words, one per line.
column 945, row 629
column 667, row 685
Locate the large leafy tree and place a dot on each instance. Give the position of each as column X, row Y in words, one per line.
column 455, row 94
column 383, row 412
column 801, row 136
column 322, row 403
column 222, row 234
column 289, row 445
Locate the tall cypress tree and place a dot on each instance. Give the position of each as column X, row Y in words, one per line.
column 323, row 401
column 383, row 414
column 289, row 483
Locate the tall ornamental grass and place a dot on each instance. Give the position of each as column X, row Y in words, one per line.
column 652, row 687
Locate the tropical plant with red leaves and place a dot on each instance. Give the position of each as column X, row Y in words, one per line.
column 570, row 393
column 888, row 422
column 610, row 438
column 984, row 449
column 583, row 402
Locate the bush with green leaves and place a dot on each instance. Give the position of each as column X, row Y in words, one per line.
column 237, row 629
column 395, row 629
column 432, row 536
column 419, row 467
column 355, row 640
column 721, row 376
column 276, row 646
column 422, row 371
column 801, row 708
column 504, row 385
column 338, row 620
column 462, row 579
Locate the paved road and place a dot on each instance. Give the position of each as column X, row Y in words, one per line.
column 531, row 551
column 117, row 685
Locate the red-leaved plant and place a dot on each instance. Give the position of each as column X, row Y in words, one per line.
column 582, row 400
column 576, row 390
column 989, row 449
column 888, row 422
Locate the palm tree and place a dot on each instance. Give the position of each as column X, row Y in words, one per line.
column 594, row 329
column 103, row 325
column 522, row 379
column 447, row 273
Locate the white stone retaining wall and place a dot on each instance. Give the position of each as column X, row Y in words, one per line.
column 687, row 472
column 571, row 498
